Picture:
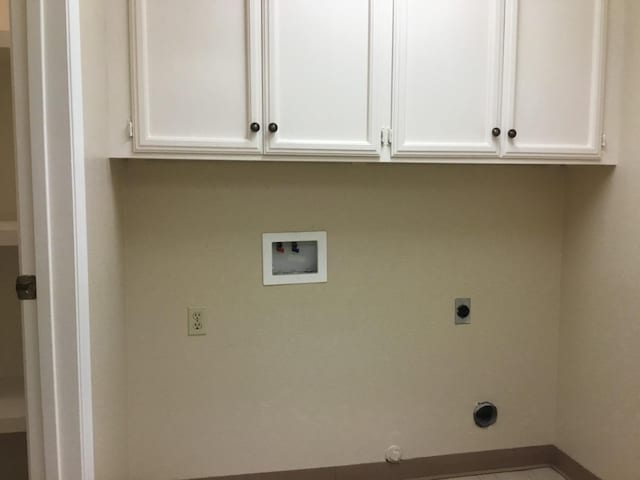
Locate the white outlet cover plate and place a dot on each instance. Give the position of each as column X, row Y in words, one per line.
column 196, row 321
column 268, row 239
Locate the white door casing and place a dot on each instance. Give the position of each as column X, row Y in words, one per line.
column 554, row 77
column 196, row 75
column 27, row 261
column 447, row 77
column 53, row 242
column 327, row 75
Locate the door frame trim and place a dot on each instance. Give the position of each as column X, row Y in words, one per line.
column 53, row 237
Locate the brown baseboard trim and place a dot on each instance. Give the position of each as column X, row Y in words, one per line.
column 13, row 456
column 571, row 469
column 443, row 466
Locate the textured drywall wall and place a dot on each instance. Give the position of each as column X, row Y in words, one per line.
column 313, row 375
column 7, row 155
column 599, row 387
column 105, row 258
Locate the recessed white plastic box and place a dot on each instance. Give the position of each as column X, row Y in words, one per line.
column 294, row 257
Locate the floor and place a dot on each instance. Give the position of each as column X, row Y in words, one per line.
column 537, row 474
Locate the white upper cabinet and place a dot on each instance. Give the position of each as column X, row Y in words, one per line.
column 447, row 77
column 437, row 80
column 197, row 75
column 327, row 71
column 554, row 65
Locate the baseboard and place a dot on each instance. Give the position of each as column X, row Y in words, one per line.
column 443, row 466
column 568, row 467
column 13, row 456
column 439, row 467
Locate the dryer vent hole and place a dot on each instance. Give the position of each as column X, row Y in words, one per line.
column 485, row 414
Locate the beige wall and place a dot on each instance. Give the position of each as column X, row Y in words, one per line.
column 599, row 387
column 302, row 376
column 105, row 259
column 10, row 335
column 4, row 15
column 7, row 168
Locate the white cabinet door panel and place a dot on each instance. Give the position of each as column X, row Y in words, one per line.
column 447, row 76
column 554, row 63
column 327, row 75
column 197, row 75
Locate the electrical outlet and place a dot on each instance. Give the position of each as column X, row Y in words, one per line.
column 196, row 321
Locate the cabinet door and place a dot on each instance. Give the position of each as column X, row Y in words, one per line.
column 328, row 75
column 554, row 63
column 197, row 75
column 447, row 71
